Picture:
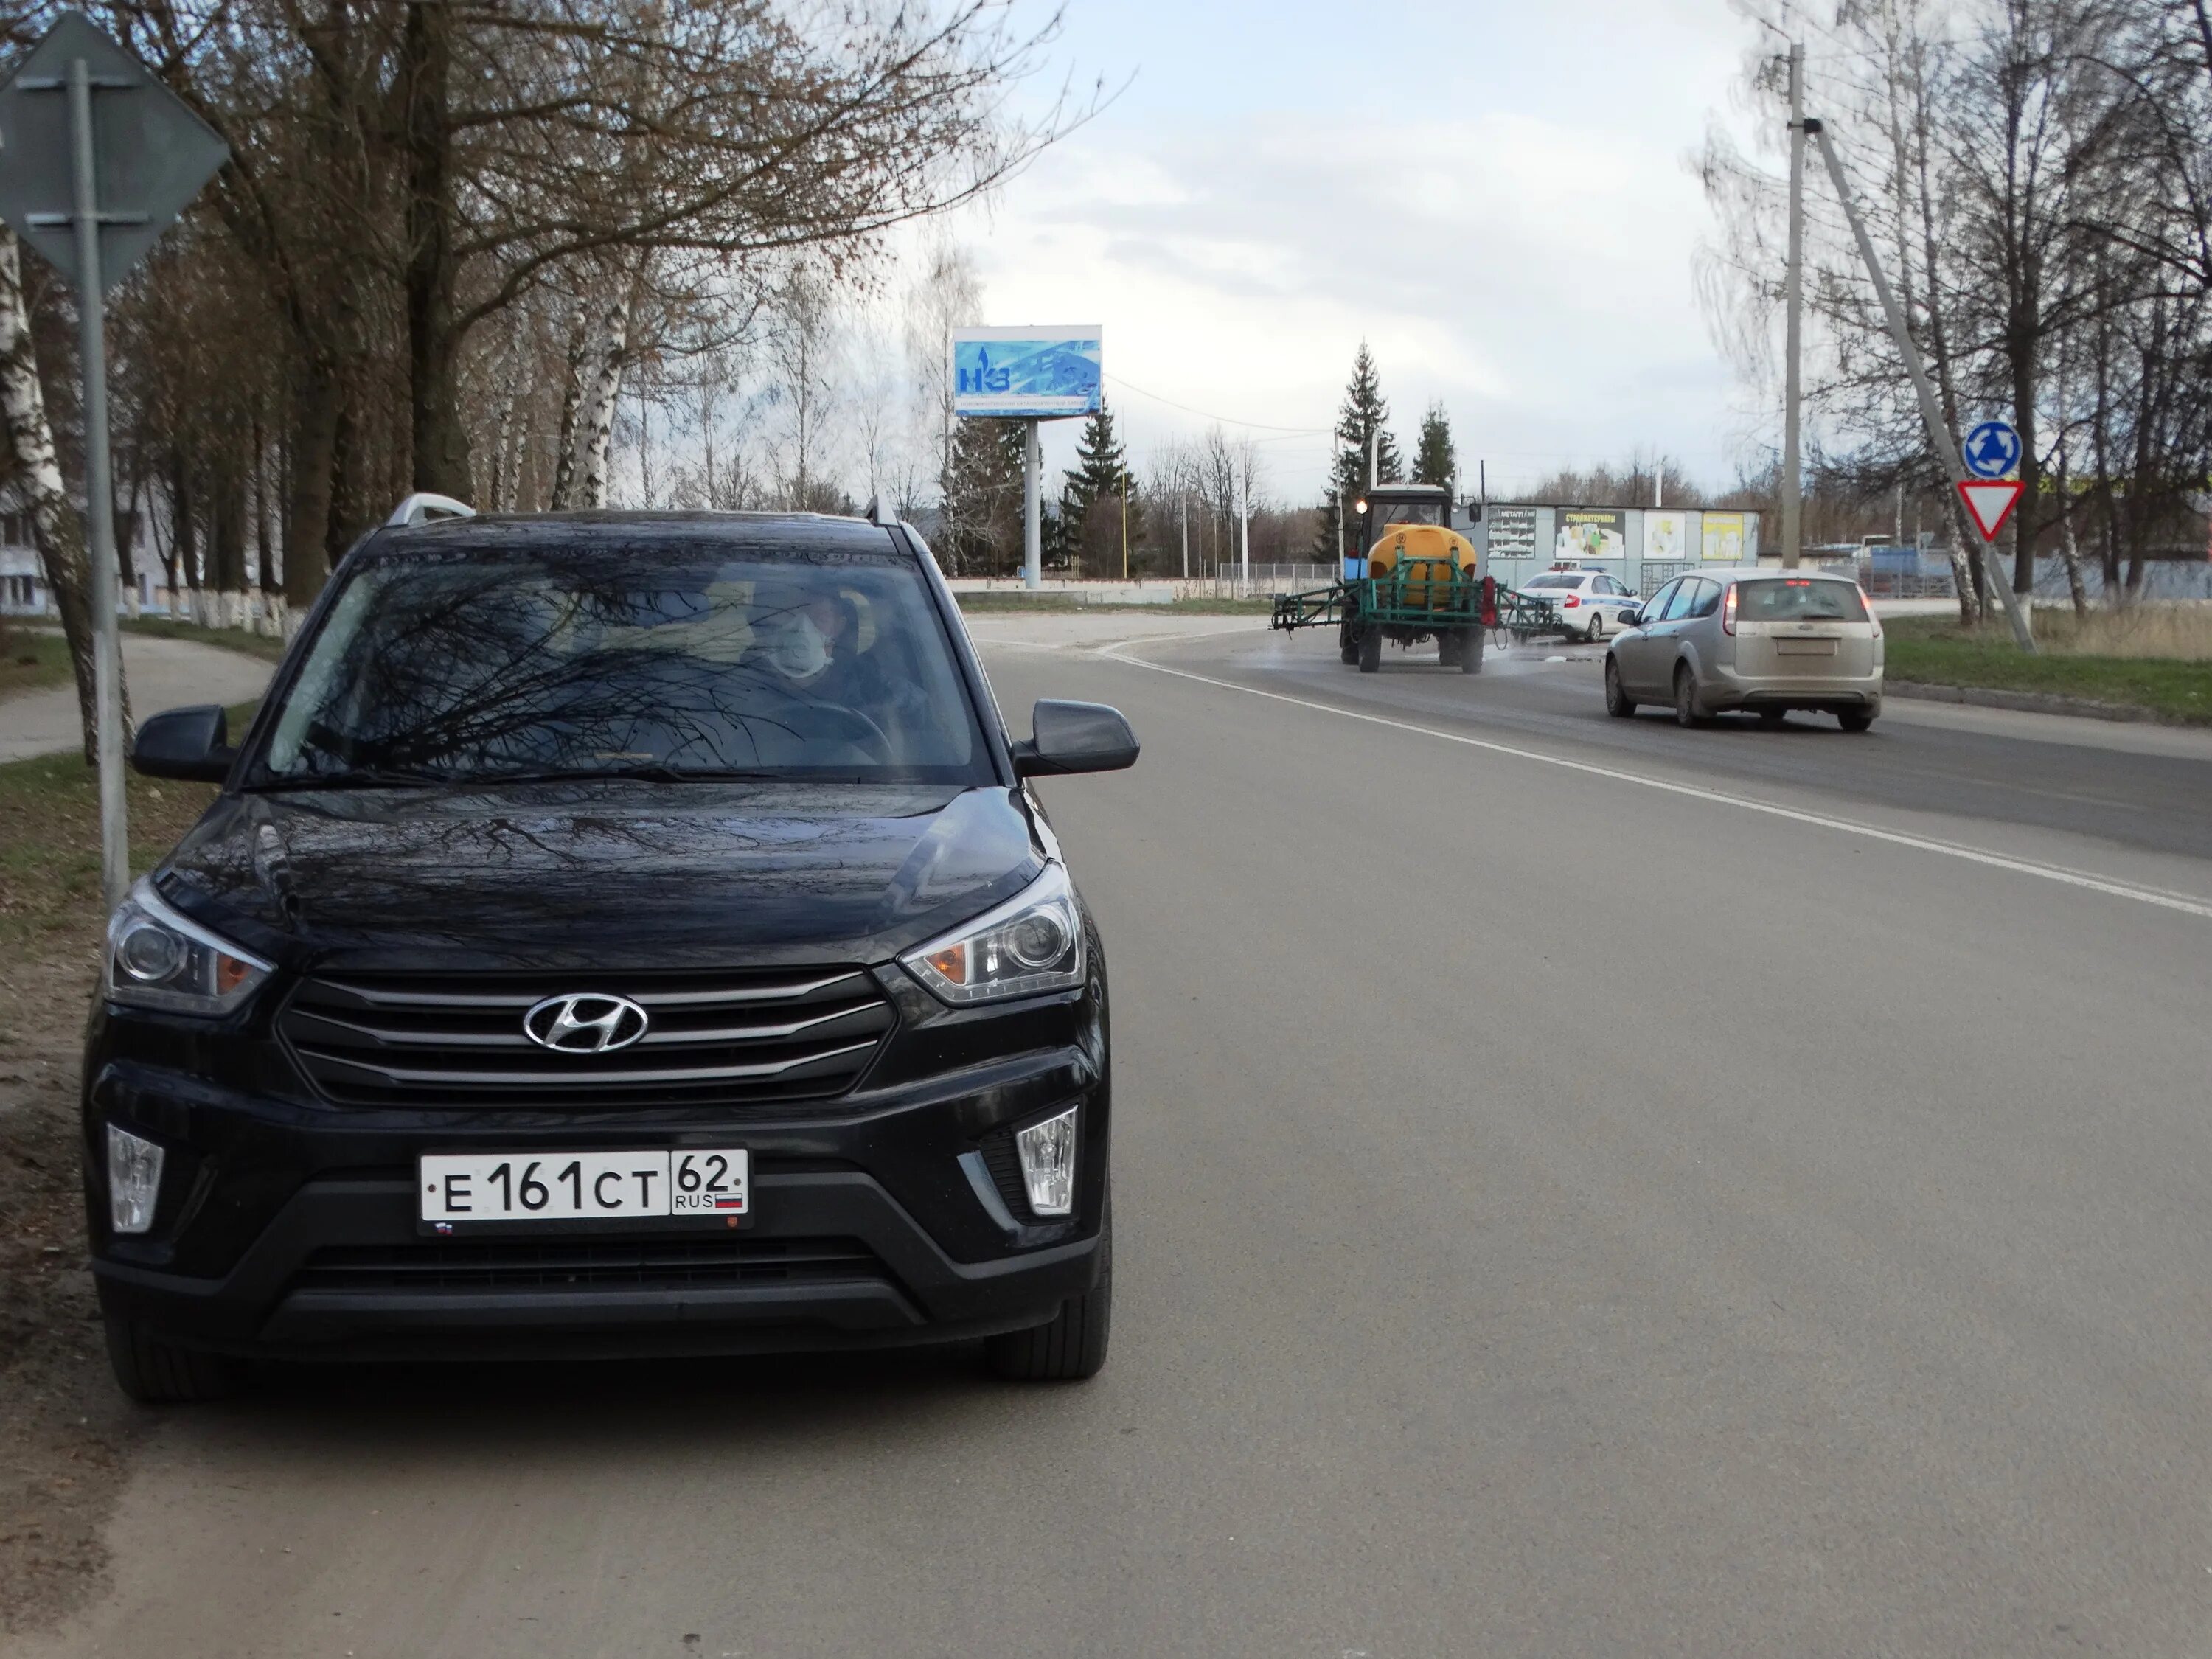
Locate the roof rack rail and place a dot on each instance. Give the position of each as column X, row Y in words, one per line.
column 876, row 511
column 422, row 506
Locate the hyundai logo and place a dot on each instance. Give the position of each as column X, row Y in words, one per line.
column 585, row 1024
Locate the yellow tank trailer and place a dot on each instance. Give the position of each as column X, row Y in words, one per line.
column 1418, row 579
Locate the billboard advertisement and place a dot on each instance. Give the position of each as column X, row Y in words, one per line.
column 1724, row 539
column 1591, row 532
column 1037, row 373
column 1667, row 536
column 1512, row 532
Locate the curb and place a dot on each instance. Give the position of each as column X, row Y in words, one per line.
column 2031, row 703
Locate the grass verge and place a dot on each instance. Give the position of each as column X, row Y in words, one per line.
column 32, row 659
column 1067, row 605
column 230, row 639
column 1937, row 651
column 65, row 1431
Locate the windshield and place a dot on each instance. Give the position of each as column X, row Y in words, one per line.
column 1799, row 599
column 630, row 660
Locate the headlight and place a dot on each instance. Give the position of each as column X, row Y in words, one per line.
column 159, row 959
column 1032, row 943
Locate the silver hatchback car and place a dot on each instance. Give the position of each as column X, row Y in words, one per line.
column 1764, row 641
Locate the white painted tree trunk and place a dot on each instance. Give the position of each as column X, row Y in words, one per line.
column 597, row 429
column 56, row 526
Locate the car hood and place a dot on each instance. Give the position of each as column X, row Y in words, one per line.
column 624, row 874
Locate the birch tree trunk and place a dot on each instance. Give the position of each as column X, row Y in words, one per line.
column 598, row 429
column 572, row 404
column 55, row 525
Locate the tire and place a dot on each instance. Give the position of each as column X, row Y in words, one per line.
column 1595, row 634
column 1470, row 651
column 1371, row 651
column 1448, row 648
column 1855, row 719
column 1072, row 1345
column 1618, row 702
column 1686, row 711
column 157, row 1373
column 1347, row 645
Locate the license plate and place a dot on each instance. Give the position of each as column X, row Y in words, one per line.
column 459, row 1189
column 1805, row 648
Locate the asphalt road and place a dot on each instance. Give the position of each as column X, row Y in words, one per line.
column 1583, row 1189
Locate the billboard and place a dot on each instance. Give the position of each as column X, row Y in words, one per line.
column 1724, row 539
column 1512, row 532
column 1666, row 535
column 1037, row 373
column 1590, row 532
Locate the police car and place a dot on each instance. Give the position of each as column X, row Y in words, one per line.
column 1591, row 603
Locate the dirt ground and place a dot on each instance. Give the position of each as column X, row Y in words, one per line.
column 65, row 1431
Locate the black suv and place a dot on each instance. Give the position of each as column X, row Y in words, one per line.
column 617, row 934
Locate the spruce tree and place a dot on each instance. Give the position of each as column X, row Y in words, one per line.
column 1434, row 463
column 1100, row 464
column 1365, row 415
column 983, row 496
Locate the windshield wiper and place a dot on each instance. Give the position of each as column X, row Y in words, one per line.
column 354, row 777
column 649, row 773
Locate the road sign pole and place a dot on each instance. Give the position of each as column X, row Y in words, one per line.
column 1931, row 412
column 100, row 495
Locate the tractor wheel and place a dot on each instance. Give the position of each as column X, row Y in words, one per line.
column 1347, row 643
column 1448, row 648
column 1371, row 650
column 1470, row 650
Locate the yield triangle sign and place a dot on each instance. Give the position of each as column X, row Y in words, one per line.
column 1991, row 502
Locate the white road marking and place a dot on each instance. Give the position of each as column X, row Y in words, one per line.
column 2082, row 879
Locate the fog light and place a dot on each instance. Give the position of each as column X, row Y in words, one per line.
column 1047, row 1150
column 134, row 1180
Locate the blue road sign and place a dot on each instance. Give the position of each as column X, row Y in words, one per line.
column 1992, row 450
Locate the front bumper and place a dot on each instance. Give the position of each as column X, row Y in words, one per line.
column 288, row 1227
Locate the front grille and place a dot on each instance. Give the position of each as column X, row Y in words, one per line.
column 715, row 1039
column 532, row 1264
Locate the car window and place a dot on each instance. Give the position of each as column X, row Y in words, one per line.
column 1706, row 599
column 1655, row 608
column 680, row 660
column 1552, row 580
column 1799, row 599
column 1604, row 585
column 1684, row 595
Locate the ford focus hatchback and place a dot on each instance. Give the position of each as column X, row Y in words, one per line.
column 1760, row 641
column 616, row 933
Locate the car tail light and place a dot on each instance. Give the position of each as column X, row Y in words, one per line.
column 1571, row 602
column 1728, row 611
column 1873, row 620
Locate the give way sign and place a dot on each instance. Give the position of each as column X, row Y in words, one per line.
column 1990, row 501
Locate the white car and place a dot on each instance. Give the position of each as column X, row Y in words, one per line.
column 1591, row 603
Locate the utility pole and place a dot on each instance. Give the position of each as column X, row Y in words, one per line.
column 1183, row 498
column 1931, row 412
column 1793, row 506
column 1243, row 536
column 1125, row 523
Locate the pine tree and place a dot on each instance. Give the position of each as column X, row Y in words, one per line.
column 1101, row 466
column 1434, row 462
column 1365, row 415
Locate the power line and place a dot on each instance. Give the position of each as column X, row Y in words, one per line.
column 1225, row 420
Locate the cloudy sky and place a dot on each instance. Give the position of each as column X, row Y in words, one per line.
column 1492, row 193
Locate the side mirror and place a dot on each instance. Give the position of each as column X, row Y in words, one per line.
column 192, row 743
column 1632, row 618
column 1075, row 737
